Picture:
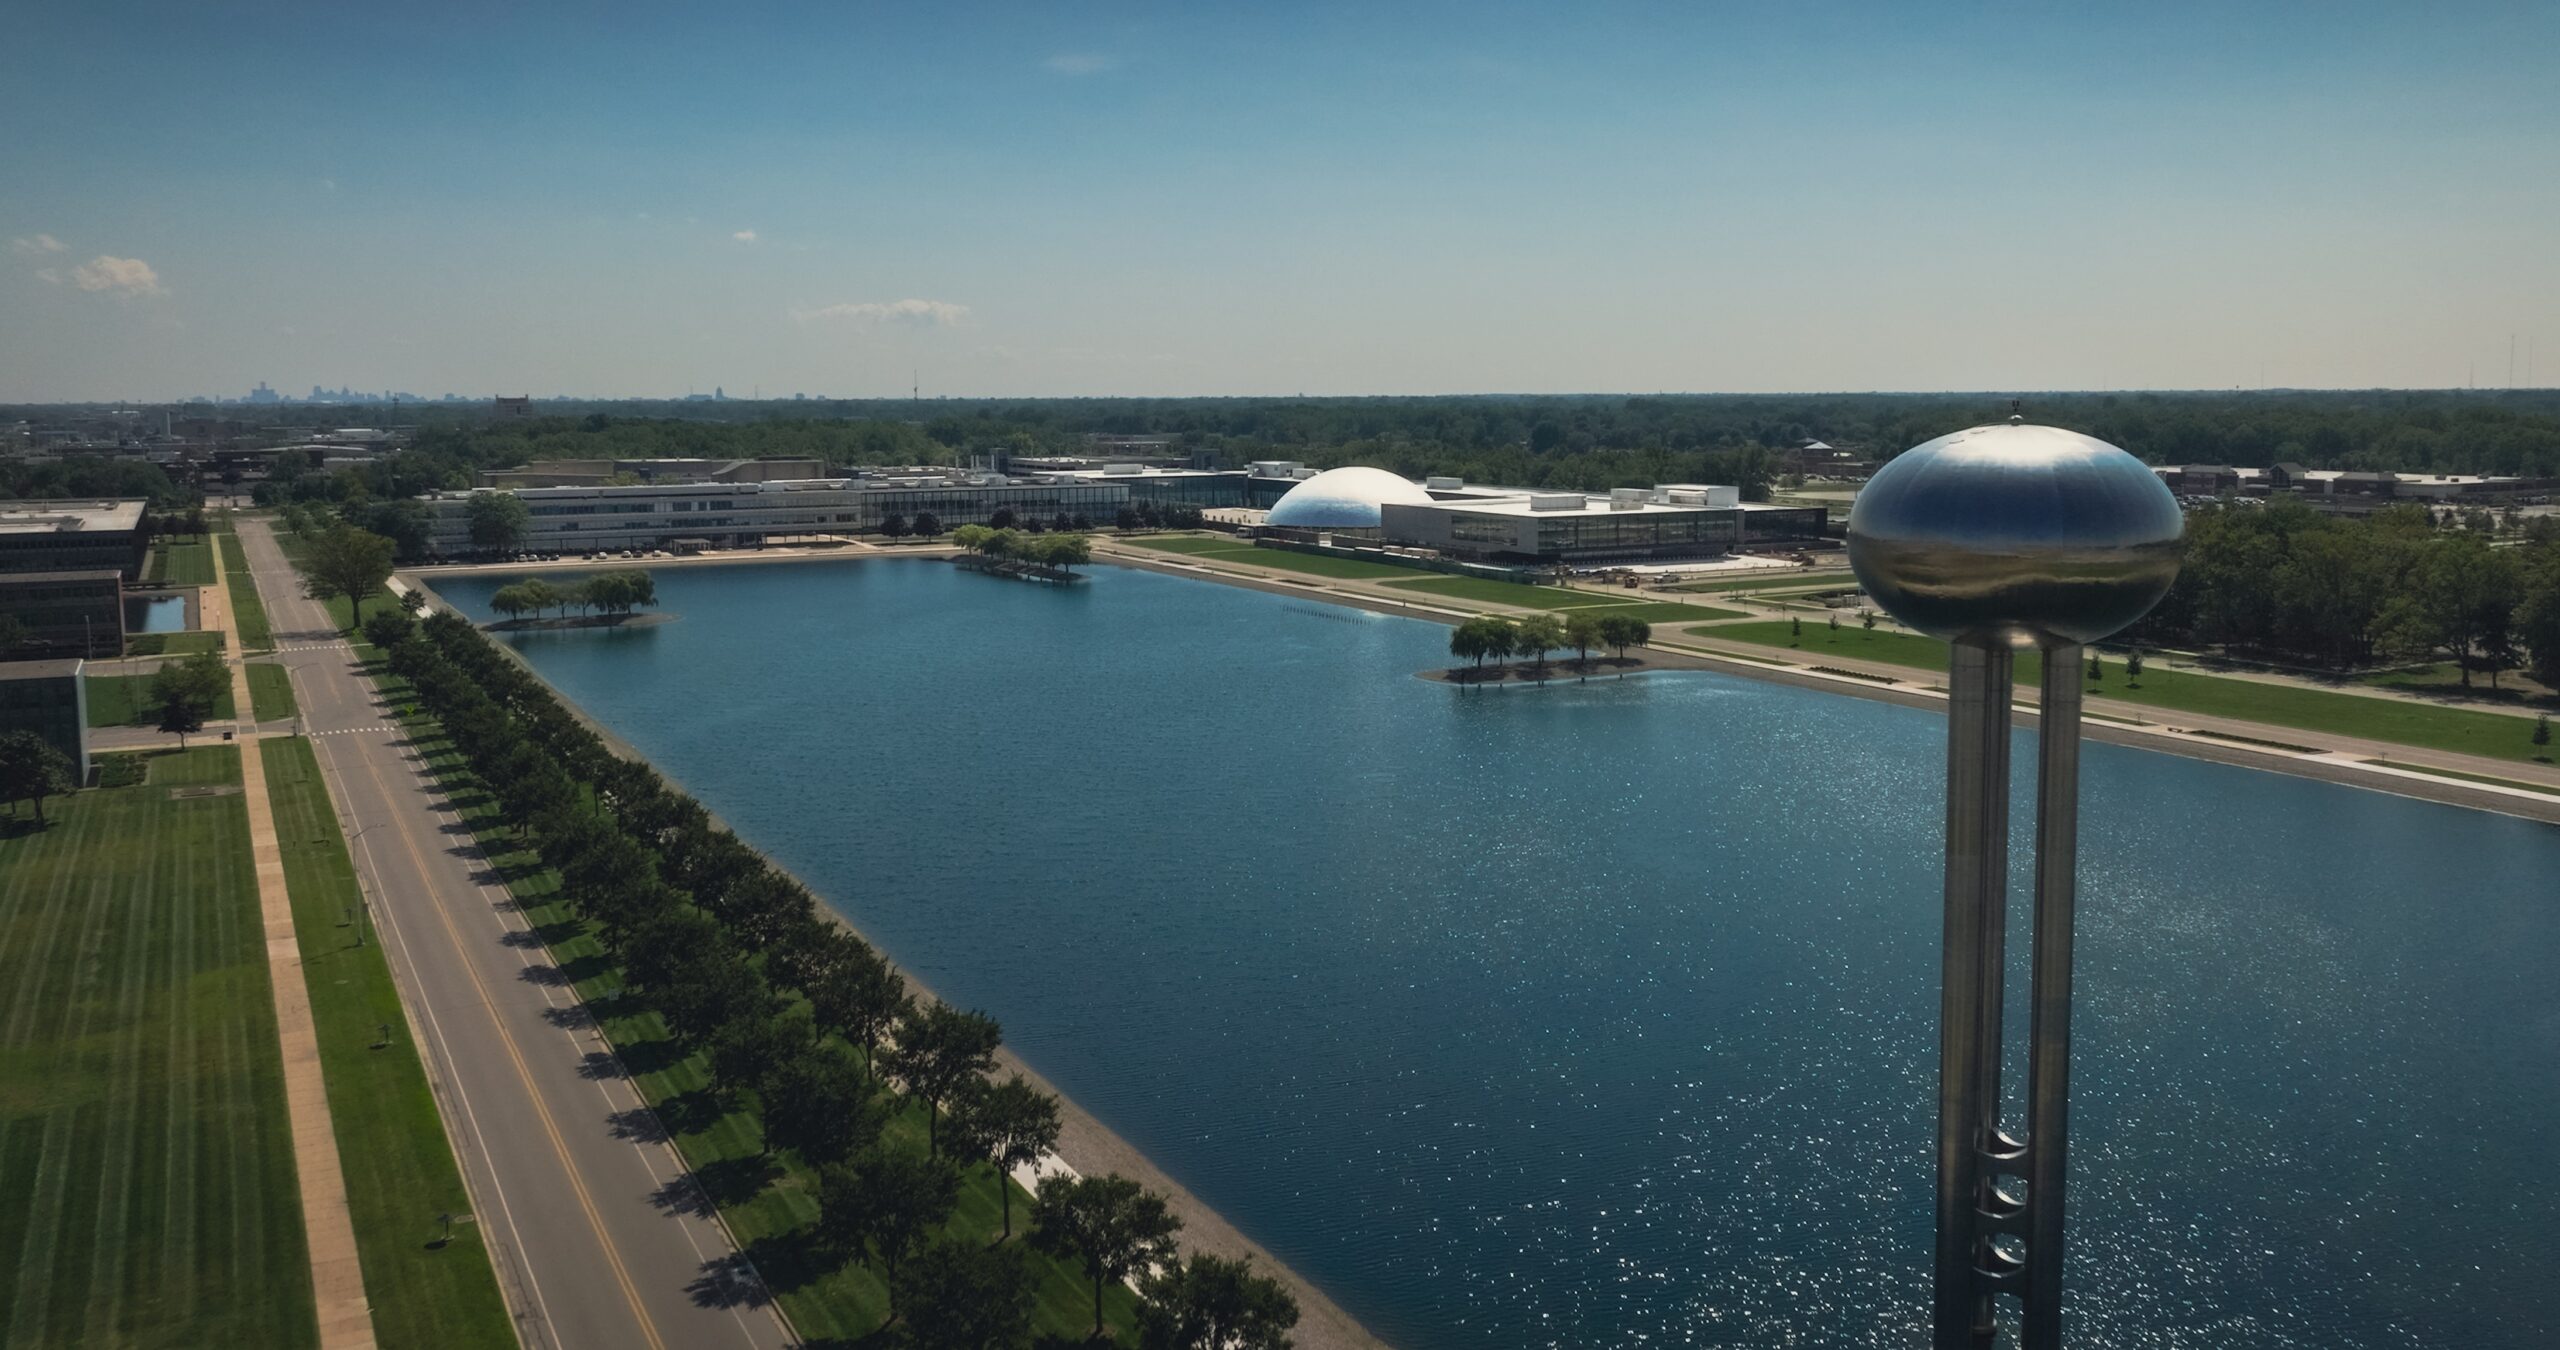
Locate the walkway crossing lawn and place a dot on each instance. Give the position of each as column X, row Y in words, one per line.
column 2401, row 721
column 180, row 560
column 270, row 692
column 399, row 1167
column 125, row 701
column 830, row 1303
column 248, row 612
column 1664, row 611
column 172, row 644
column 1755, row 581
column 1490, row 592
column 147, row 1188
column 1313, row 564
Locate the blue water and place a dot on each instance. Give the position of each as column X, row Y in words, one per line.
column 1604, row 1014
column 155, row 614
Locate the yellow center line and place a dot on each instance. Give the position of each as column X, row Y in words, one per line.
column 551, row 1127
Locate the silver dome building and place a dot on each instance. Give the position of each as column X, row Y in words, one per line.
column 1347, row 498
column 1995, row 538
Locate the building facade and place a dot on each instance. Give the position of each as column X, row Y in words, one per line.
column 745, row 515
column 66, row 612
column 1575, row 528
column 50, row 699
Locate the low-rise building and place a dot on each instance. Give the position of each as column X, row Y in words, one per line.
column 744, row 515
column 1672, row 520
column 73, row 536
column 66, row 612
column 51, row 699
column 602, row 472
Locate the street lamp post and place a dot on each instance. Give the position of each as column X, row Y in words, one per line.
column 1998, row 538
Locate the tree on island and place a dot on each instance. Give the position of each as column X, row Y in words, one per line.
column 1535, row 636
column 1009, row 1124
column 1210, row 1303
column 1110, row 1223
column 1582, row 633
column 938, row 1052
column 1064, row 551
column 347, row 561
column 887, row 1201
column 498, row 521
column 1480, row 637
column 1622, row 632
column 32, row 770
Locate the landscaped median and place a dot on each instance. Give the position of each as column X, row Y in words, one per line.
column 248, row 612
column 2400, row 721
column 399, row 1168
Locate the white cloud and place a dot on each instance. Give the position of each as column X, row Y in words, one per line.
column 41, row 243
column 1080, row 63
column 51, row 276
column 937, row 313
column 744, row 236
column 127, row 277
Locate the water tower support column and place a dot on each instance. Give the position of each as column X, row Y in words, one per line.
column 2049, row 1027
column 1979, row 684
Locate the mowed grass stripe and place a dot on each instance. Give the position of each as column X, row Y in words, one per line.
column 398, row 1166
column 144, row 1128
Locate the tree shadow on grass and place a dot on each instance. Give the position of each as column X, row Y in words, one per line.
column 690, row 1112
column 729, row 1282
column 643, row 1058
column 795, row 1260
column 735, row 1181
column 580, row 969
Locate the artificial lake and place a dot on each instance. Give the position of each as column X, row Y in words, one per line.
column 1605, row 1014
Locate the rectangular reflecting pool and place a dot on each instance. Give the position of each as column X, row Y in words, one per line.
column 155, row 614
column 1604, row 1014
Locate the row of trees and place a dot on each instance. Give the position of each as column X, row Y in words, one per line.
column 1054, row 552
column 1532, row 637
column 2283, row 580
column 617, row 592
column 807, row 1029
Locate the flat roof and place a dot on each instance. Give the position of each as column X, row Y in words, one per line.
column 79, row 515
column 40, row 670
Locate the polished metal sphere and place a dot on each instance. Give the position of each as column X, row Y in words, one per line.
column 2015, row 534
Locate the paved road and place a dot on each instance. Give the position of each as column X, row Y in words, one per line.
column 600, row 1238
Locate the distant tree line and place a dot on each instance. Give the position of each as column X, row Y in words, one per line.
column 2286, row 582
column 810, row 1032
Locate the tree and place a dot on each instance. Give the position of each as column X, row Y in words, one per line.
column 1622, row 632
column 748, row 1052
column 498, row 521
column 1535, row 636
column 1064, row 551
column 1795, row 626
column 939, row 1050
column 894, row 526
column 963, row 1295
column 885, row 1201
column 347, row 561
column 31, row 769
column 1835, row 622
column 1867, row 619
column 926, row 524
column 2097, row 668
column 1477, row 638
column 2541, row 738
column 1582, row 632
column 1009, row 1124
column 821, row 1106
column 1001, row 518
column 1110, row 1223
column 186, row 692
column 1210, row 1303
column 2133, row 666
column 860, row 996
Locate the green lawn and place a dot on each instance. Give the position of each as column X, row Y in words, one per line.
column 1485, row 591
column 400, row 1170
column 2469, row 777
column 2494, row 735
column 125, row 701
column 147, row 1190
column 2445, row 678
column 1184, row 543
column 1313, row 564
column 173, row 644
column 248, row 612
column 270, row 691
column 830, row 1303
column 180, row 560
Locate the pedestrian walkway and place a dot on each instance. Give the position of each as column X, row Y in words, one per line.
column 337, row 1278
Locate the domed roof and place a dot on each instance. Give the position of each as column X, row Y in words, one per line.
column 1347, row 498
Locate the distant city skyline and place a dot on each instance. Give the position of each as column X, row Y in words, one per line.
column 1002, row 201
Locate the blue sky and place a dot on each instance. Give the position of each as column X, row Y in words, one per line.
column 620, row 199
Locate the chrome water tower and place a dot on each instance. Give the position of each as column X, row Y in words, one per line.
column 1997, row 538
